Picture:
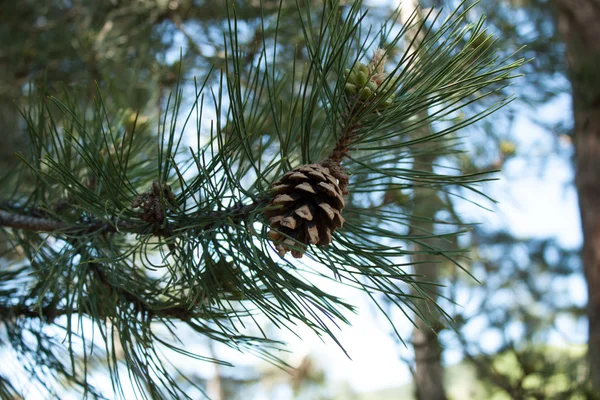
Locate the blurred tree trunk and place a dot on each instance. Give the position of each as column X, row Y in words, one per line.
column 579, row 26
column 215, row 384
column 429, row 374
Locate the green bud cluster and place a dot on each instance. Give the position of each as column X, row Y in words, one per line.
column 366, row 86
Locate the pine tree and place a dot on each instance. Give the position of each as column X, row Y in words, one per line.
column 127, row 242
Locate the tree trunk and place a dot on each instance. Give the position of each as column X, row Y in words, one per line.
column 579, row 26
column 215, row 384
column 429, row 382
column 428, row 374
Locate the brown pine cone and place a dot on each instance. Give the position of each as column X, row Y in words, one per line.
column 308, row 203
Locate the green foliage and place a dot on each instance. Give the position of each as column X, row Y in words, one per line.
column 140, row 240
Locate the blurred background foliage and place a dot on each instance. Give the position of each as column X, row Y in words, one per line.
column 135, row 51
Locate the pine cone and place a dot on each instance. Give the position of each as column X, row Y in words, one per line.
column 309, row 202
column 149, row 202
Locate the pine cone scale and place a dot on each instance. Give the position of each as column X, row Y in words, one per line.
column 284, row 198
column 324, row 235
column 316, row 175
column 289, row 222
column 304, row 212
column 312, row 233
column 306, row 187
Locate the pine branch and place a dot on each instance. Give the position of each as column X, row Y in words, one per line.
column 369, row 89
column 30, row 222
column 46, row 224
column 50, row 313
column 47, row 313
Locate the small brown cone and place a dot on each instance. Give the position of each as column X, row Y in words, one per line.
column 307, row 205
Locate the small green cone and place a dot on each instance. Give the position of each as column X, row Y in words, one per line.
column 361, row 78
column 366, row 86
column 365, row 94
column 350, row 88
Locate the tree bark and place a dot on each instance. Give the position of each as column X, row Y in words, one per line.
column 579, row 26
column 429, row 373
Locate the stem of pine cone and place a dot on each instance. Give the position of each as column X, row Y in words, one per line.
column 349, row 128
